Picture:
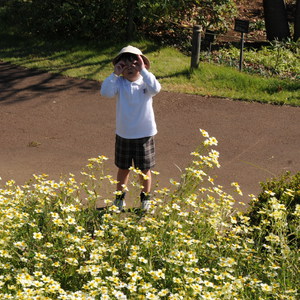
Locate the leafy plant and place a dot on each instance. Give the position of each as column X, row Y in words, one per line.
column 278, row 203
column 278, row 58
column 168, row 21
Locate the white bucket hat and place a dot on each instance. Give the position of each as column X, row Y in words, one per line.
column 133, row 50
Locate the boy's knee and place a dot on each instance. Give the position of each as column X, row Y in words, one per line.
column 123, row 170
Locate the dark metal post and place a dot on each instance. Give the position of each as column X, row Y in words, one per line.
column 241, row 26
column 196, row 45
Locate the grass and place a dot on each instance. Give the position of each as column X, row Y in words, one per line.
column 93, row 61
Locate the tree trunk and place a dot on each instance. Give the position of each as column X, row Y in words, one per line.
column 276, row 22
column 297, row 22
column 131, row 7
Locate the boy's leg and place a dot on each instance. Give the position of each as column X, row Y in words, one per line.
column 146, row 182
column 145, row 193
column 122, row 178
column 123, row 161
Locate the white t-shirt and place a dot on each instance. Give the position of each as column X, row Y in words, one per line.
column 134, row 111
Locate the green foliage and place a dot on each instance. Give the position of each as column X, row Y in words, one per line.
column 278, row 203
column 168, row 21
column 172, row 25
column 280, row 59
column 59, row 18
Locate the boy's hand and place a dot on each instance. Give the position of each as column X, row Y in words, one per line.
column 140, row 63
column 119, row 67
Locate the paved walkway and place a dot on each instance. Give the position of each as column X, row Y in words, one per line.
column 53, row 124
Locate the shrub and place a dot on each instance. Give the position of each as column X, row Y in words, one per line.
column 276, row 209
column 117, row 19
column 278, row 58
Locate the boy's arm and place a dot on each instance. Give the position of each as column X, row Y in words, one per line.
column 151, row 81
column 109, row 87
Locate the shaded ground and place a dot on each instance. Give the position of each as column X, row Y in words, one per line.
column 53, row 124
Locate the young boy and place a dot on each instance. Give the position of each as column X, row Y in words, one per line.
column 133, row 86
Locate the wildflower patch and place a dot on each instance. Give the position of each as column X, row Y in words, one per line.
column 55, row 244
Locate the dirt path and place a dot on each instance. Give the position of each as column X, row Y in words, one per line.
column 52, row 124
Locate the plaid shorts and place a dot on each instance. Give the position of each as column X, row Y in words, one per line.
column 139, row 153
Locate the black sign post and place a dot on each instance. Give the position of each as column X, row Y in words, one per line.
column 241, row 26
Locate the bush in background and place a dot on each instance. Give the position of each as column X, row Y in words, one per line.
column 166, row 21
column 276, row 211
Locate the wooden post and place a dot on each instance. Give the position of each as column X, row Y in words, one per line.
column 196, row 44
column 130, row 30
